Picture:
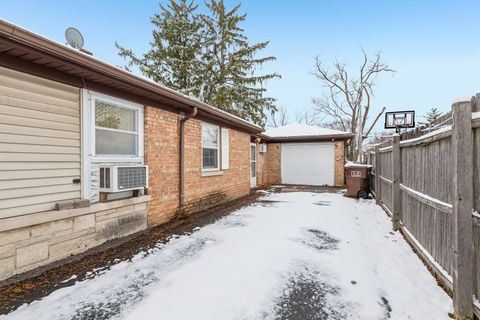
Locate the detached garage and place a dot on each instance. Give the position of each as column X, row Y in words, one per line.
column 304, row 155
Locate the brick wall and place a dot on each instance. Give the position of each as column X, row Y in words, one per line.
column 162, row 158
column 339, row 163
column 261, row 158
column 202, row 190
column 270, row 165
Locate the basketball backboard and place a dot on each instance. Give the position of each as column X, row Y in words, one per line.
column 399, row 119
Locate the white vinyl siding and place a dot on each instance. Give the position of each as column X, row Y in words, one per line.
column 225, row 149
column 39, row 143
column 308, row 163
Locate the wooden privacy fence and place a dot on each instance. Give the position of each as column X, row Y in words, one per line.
column 428, row 182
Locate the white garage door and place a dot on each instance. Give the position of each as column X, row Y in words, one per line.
column 308, row 163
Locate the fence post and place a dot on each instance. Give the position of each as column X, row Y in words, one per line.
column 462, row 210
column 397, row 173
column 378, row 192
column 476, row 104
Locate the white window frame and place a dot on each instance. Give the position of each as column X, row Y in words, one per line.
column 225, row 147
column 139, row 124
column 218, row 147
column 88, row 136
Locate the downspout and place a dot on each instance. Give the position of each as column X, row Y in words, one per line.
column 183, row 119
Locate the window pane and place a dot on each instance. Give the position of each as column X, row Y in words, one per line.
column 210, row 158
column 209, row 136
column 118, row 143
column 253, row 153
column 109, row 116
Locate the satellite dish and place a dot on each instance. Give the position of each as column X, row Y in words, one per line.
column 74, row 38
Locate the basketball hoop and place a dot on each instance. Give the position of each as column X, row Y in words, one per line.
column 399, row 119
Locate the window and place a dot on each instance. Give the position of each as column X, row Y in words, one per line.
column 253, row 160
column 112, row 133
column 210, row 139
column 117, row 129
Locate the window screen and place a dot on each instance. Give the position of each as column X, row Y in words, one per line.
column 116, row 131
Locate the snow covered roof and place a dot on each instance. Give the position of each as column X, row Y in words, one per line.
column 297, row 130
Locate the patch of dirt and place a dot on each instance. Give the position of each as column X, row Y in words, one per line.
column 322, row 203
column 320, row 240
column 40, row 282
column 386, row 306
column 305, row 297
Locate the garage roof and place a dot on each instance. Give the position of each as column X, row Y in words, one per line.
column 302, row 132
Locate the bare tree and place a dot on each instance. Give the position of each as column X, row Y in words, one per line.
column 308, row 116
column 347, row 101
column 278, row 118
column 379, row 137
column 337, row 124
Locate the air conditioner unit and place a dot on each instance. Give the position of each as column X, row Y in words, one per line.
column 123, row 178
column 262, row 148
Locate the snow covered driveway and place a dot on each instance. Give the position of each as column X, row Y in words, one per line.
column 296, row 256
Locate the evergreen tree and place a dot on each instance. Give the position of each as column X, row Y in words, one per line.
column 230, row 82
column 174, row 57
column 208, row 57
column 433, row 115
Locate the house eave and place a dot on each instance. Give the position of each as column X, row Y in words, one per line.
column 19, row 46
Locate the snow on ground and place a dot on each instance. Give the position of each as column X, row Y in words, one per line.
column 296, row 255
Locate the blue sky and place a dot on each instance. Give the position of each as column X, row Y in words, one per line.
column 433, row 45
